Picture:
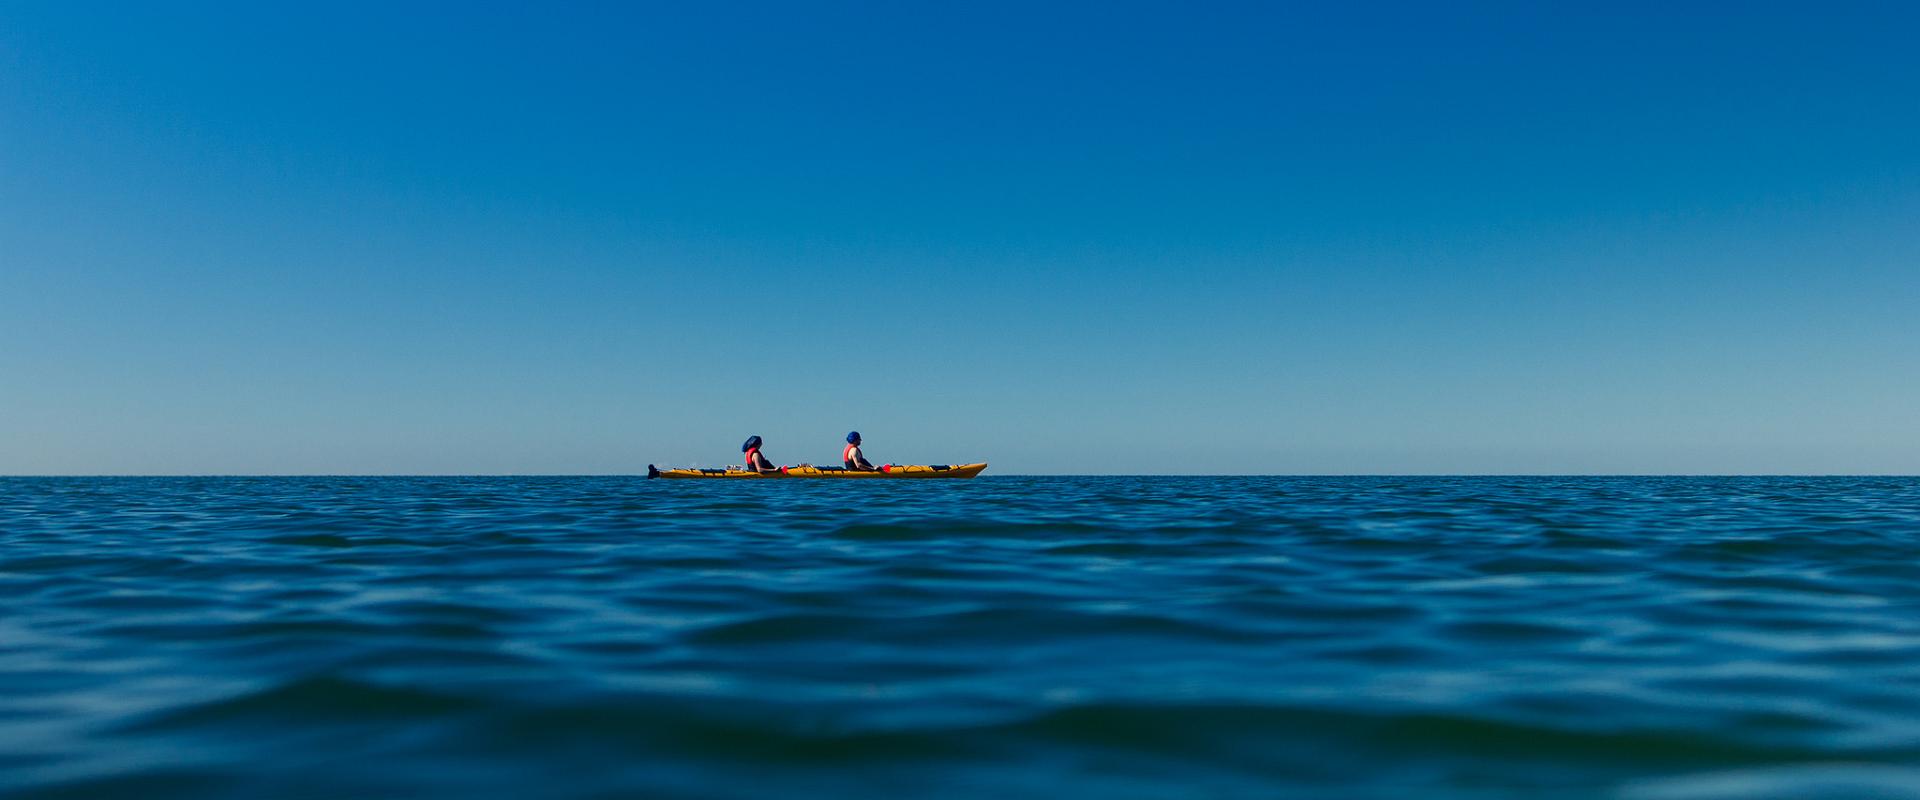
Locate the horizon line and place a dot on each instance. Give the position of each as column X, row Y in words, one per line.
column 643, row 475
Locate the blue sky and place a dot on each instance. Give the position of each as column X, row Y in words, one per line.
column 1114, row 237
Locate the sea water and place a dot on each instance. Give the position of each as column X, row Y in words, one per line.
column 1045, row 637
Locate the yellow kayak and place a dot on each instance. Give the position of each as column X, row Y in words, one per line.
column 806, row 471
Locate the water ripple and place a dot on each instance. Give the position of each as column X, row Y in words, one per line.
column 1127, row 637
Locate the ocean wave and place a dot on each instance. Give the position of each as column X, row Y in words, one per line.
column 1236, row 637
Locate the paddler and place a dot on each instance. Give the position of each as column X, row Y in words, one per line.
column 853, row 458
column 755, row 461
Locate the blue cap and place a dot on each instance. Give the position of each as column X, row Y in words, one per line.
column 853, row 437
column 752, row 442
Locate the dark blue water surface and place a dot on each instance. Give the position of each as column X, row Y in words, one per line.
column 1003, row 637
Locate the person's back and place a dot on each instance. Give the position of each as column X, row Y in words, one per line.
column 852, row 458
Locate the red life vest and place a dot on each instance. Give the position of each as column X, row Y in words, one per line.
column 753, row 460
column 846, row 455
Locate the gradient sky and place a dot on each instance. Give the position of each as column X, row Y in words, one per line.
column 1110, row 237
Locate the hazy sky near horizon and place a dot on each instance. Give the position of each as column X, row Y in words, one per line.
column 1112, row 237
